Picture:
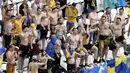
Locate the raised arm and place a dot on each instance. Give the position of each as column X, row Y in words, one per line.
column 63, row 7
column 127, row 21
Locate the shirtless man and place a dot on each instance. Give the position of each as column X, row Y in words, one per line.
column 93, row 17
column 43, row 59
column 8, row 26
column 60, row 12
column 74, row 39
column 104, row 34
column 61, row 25
column 89, row 48
column 36, row 17
column 24, row 47
column 108, row 14
column 71, row 57
column 45, row 20
column 117, row 32
column 45, row 24
column 120, row 15
column 11, row 57
column 32, row 40
column 34, row 65
column 54, row 16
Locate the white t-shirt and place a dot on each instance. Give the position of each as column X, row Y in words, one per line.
column 100, row 5
column 81, row 21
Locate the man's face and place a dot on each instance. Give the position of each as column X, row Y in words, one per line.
column 44, row 52
column 118, row 21
column 12, row 48
column 75, row 31
column 25, row 2
column 60, row 37
column 103, row 19
column 83, row 16
column 58, row 5
column 79, row 28
column 121, row 11
column 109, row 10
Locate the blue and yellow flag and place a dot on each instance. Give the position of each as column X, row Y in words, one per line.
column 100, row 69
column 95, row 69
column 126, row 65
column 115, row 65
column 103, row 68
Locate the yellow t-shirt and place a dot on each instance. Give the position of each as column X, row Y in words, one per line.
column 18, row 26
column 70, row 13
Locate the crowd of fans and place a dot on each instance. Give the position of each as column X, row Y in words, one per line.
column 39, row 33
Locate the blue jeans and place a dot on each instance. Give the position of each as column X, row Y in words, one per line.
column 92, row 36
column 69, row 25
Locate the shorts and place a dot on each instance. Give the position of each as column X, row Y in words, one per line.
column 10, row 68
column 88, row 46
column 35, row 50
column 43, row 33
column 53, row 29
column 50, row 64
column 119, row 39
column 24, row 50
column 16, row 40
column 104, row 41
column 57, row 61
column 7, row 40
column 112, row 45
column 42, row 71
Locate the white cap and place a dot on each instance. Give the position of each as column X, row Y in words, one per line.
column 34, row 57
